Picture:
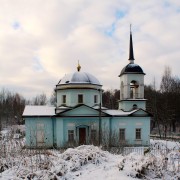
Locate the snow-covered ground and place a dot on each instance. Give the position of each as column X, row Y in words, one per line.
column 89, row 162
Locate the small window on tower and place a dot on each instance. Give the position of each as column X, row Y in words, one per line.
column 80, row 98
column 95, row 99
column 64, row 99
column 135, row 106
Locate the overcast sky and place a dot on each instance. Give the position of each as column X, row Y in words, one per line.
column 42, row 40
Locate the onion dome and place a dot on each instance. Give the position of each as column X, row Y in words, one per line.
column 132, row 69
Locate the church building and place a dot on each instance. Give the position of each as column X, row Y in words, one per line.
column 80, row 118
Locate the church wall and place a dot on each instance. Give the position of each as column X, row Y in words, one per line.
column 59, row 132
column 41, row 127
column 72, row 96
column 74, row 123
column 64, row 124
column 126, row 79
column 109, row 125
column 105, row 126
column 81, row 111
column 128, row 105
column 130, row 124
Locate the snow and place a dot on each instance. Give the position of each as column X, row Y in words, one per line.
column 39, row 111
column 165, row 144
column 50, row 111
column 63, row 107
column 17, row 136
column 79, row 77
column 97, row 107
column 88, row 162
column 5, row 131
column 118, row 112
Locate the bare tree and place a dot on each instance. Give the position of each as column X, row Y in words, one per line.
column 110, row 98
column 11, row 108
column 167, row 80
column 40, row 99
column 53, row 98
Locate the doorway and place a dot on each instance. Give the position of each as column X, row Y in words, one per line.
column 82, row 136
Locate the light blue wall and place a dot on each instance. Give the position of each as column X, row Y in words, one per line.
column 66, row 124
column 31, row 130
column 109, row 125
column 82, row 111
column 72, row 96
column 128, row 105
column 59, row 132
column 130, row 124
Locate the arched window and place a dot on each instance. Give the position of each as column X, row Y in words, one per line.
column 135, row 106
column 134, row 89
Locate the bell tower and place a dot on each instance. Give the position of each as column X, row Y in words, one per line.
column 131, row 84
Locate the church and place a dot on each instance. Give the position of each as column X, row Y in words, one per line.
column 80, row 118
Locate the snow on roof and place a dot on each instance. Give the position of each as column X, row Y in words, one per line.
column 113, row 112
column 63, row 107
column 39, row 111
column 97, row 107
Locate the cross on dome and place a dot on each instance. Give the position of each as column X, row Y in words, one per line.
column 78, row 67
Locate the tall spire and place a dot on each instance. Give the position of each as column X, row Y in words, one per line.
column 131, row 53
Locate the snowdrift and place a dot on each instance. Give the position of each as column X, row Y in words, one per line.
column 86, row 162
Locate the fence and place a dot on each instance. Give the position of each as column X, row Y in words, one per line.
column 172, row 138
column 153, row 151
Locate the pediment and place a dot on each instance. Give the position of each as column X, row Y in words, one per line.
column 82, row 110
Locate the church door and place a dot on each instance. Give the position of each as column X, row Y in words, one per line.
column 82, row 136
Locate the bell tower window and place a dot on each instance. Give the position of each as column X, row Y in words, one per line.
column 134, row 89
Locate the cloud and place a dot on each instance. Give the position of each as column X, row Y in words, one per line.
column 40, row 41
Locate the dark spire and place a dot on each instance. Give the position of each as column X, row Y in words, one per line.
column 131, row 53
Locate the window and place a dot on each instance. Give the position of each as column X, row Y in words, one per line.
column 64, row 99
column 138, row 133
column 95, row 98
column 121, row 134
column 70, row 135
column 80, row 98
column 93, row 135
column 135, row 106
